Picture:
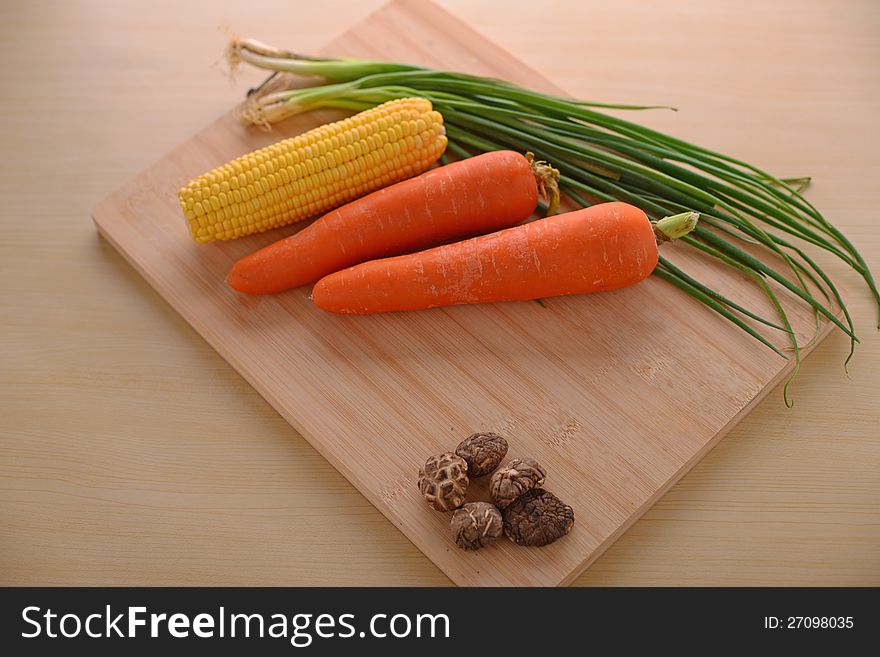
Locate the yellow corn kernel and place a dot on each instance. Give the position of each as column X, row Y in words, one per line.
column 314, row 172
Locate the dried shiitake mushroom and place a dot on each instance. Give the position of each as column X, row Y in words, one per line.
column 443, row 481
column 537, row 518
column 483, row 453
column 514, row 479
column 476, row 525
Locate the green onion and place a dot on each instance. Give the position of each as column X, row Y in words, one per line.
column 601, row 158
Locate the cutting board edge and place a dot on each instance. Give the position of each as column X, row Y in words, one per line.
column 786, row 370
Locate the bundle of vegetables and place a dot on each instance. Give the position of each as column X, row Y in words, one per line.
column 603, row 247
column 603, row 158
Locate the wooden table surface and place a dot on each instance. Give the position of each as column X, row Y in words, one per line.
column 130, row 453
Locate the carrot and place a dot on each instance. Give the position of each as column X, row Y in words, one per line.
column 602, row 247
column 470, row 197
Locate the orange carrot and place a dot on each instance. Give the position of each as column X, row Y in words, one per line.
column 602, row 247
column 474, row 196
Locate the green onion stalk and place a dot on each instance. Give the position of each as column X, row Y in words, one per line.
column 603, row 158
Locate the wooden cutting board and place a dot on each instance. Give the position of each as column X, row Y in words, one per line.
column 617, row 394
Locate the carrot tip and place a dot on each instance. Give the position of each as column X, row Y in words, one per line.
column 547, row 179
column 676, row 226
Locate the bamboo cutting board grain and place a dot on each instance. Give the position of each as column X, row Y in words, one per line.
column 618, row 394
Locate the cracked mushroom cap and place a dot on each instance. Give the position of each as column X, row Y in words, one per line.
column 483, row 453
column 537, row 518
column 476, row 525
column 514, row 479
column 443, row 481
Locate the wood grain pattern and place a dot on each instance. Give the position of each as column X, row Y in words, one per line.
column 616, row 394
column 131, row 453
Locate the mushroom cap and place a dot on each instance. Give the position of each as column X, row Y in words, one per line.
column 483, row 452
column 537, row 518
column 476, row 525
column 514, row 479
column 443, row 481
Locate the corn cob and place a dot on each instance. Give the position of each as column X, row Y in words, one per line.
column 314, row 172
